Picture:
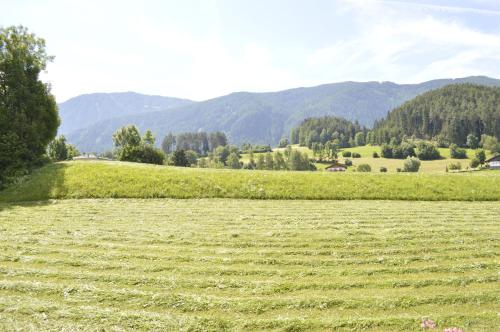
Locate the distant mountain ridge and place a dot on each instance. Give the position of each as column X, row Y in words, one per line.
column 84, row 110
column 262, row 118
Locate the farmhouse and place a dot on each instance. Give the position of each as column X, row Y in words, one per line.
column 336, row 167
column 494, row 162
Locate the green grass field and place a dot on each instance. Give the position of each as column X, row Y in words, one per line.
column 87, row 179
column 221, row 264
column 366, row 152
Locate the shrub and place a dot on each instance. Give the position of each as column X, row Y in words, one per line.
column 397, row 152
column 346, row 154
column 457, row 153
column 386, row 151
column 142, row 154
column 192, row 157
column 408, row 149
column 474, row 163
column 348, row 162
column 364, row 168
column 427, row 151
column 398, row 169
column 383, row 169
column 480, row 156
column 455, row 166
column 284, row 143
column 411, row 164
column 375, row 154
column 356, row 155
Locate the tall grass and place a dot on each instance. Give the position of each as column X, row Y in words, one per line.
column 129, row 180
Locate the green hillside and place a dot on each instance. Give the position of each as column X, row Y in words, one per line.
column 88, row 179
column 264, row 118
column 450, row 113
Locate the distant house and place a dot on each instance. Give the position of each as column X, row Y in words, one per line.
column 336, row 167
column 89, row 156
column 494, row 162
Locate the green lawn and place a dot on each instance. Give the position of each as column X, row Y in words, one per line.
column 87, row 179
column 222, row 264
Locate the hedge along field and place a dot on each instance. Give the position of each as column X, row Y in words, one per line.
column 222, row 264
column 87, row 179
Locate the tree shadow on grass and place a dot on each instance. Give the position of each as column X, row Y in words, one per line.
column 35, row 189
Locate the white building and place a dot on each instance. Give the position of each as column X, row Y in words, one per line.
column 494, row 162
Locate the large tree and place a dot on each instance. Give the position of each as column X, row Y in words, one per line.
column 28, row 111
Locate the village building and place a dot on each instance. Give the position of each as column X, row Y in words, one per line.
column 494, row 162
column 336, row 167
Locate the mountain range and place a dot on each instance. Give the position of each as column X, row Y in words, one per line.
column 88, row 121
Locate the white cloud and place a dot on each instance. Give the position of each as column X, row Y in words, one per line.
column 404, row 47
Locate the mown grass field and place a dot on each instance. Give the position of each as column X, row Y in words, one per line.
column 87, row 179
column 221, row 264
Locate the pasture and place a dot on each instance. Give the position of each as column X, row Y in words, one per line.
column 366, row 152
column 222, row 264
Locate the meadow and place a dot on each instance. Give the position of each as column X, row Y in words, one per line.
column 366, row 152
column 104, row 179
column 222, row 264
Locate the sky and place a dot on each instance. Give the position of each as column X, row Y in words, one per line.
column 201, row 49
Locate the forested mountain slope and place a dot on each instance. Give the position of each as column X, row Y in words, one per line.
column 450, row 113
column 85, row 110
column 264, row 118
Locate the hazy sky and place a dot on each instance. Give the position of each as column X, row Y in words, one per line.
column 203, row 49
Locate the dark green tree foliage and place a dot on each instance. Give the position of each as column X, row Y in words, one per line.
column 324, row 129
column 180, row 159
column 472, row 141
column 143, row 153
column 346, row 154
column 454, row 112
column 28, row 112
column 130, row 146
column 200, row 142
column 411, row 164
column 480, row 156
column 233, row 161
column 427, row 151
column 58, row 149
column 192, row 157
column 284, row 142
column 127, row 136
column 401, row 151
column 490, row 143
column 148, row 138
column 456, row 152
column 168, row 143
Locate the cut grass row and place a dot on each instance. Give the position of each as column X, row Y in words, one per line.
column 86, row 179
column 219, row 264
